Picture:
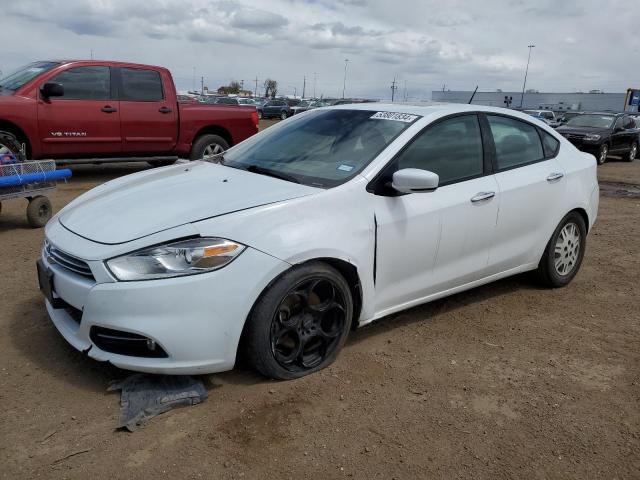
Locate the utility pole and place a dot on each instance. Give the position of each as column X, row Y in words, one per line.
column 525, row 74
column 394, row 87
column 315, row 77
column 344, row 83
column 194, row 79
column 92, row 54
column 405, row 92
column 202, row 85
column 304, row 85
column 256, row 92
column 241, row 84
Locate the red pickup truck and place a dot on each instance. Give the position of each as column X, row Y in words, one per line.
column 95, row 111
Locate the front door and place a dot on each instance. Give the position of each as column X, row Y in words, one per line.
column 431, row 242
column 148, row 118
column 85, row 121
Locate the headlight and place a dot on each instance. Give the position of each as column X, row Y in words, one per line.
column 592, row 137
column 177, row 259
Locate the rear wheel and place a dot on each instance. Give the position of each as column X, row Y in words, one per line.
column 300, row 323
column 564, row 252
column 633, row 152
column 603, row 153
column 9, row 145
column 39, row 211
column 283, row 115
column 208, row 146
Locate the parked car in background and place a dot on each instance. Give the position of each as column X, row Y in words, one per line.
column 97, row 111
column 274, row 108
column 547, row 116
column 602, row 134
column 564, row 117
column 336, row 218
column 305, row 105
column 187, row 99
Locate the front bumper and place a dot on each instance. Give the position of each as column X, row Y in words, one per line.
column 197, row 320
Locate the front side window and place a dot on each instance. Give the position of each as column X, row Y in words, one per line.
column 140, row 85
column 451, row 148
column 517, row 143
column 22, row 75
column 85, row 83
column 323, row 148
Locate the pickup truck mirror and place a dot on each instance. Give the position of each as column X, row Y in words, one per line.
column 52, row 90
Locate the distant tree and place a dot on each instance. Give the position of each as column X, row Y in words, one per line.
column 270, row 88
column 234, row 87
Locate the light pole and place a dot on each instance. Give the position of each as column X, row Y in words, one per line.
column 526, row 72
column 344, row 83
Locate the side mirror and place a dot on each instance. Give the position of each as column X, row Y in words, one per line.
column 52, row 90
column 414, row 180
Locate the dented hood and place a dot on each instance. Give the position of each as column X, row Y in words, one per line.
column 148, row 202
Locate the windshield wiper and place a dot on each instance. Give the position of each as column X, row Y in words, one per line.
column 271, row 173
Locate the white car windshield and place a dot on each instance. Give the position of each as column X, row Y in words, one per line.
column 322, row 148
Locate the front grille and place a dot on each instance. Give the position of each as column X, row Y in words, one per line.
column 67, row 261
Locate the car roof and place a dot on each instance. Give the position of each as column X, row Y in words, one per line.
column 428, row 108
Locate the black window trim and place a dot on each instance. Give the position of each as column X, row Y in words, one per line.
column 492, row 144
column 120, row 89
column 378, row 185
column 112, row 86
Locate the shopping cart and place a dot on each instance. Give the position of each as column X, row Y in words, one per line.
column 30, row 179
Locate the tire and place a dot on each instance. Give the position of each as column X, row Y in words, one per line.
column 603, row 152
column 260, row 115
column 214, row 143
column 633, row 152
column 564, row 253
column 299, row 323
column 39, row 211
column 10, row 144
column 283, row 115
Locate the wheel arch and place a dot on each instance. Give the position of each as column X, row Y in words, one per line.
column 583, row 213
column 11, row 128
column 213, row 130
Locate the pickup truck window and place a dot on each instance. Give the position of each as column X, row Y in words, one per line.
column 85, row 83
column 22, row 75
column 140, row 85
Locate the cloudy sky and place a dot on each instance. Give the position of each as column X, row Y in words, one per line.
column 425, row 44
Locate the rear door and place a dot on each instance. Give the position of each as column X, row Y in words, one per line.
column 85, row 121
column 147, row 112
column 532, row 191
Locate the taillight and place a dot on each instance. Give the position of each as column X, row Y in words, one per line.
column 254, row 117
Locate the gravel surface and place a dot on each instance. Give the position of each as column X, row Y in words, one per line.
column 509, row 380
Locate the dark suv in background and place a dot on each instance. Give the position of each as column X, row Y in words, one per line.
column 602, row 134
column 274, row 108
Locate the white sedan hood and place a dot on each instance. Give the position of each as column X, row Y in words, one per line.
column 142, row 204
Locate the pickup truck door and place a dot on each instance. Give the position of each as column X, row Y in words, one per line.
column 85, row 121
column 147, row 111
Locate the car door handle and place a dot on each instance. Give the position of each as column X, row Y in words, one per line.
column 555, row 176
column 108, row 109
column 164, row 110
column 479, row 197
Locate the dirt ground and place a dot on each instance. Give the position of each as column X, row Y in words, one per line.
column 505, row 381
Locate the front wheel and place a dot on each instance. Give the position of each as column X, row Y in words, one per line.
column 603, row 153
column 563, row 255
column 633, row 152
column 208, row 146
column 300, row 323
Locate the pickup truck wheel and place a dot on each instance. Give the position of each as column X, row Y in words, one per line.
column 208, row 145
column 633, row 152
column 9, row 145
column 603, row 153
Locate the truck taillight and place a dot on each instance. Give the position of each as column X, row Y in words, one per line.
column 254, row 117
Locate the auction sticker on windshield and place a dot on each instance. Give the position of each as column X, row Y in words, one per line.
column 396, row 116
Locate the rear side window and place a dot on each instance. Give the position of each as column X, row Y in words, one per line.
column 517, row 143
column 140, row 85
column 451, row 148
column 549, row 144
column 85, row 83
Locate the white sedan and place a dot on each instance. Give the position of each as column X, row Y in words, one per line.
column 327, row 221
